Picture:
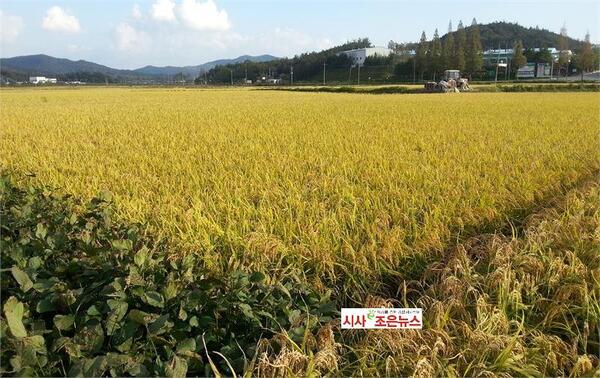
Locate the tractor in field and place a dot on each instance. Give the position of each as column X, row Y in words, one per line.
column 452, row 82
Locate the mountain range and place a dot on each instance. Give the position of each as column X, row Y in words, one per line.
column 45, row 65
column 196, row 70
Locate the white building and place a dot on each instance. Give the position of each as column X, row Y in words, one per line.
column 358, row 56
column 41, row 80
column 37, row 79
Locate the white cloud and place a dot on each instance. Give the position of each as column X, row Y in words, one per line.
column 58, row 19
column 180, row 43
column 203, row 15
column 10, row 27
column 136, row 12
column 127, row 38
column 164, row 10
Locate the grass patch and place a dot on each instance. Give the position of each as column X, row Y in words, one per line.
column 349, row 89
column 540, row 88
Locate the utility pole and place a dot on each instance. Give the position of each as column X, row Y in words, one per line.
column 507, row 62
column 231, row 71
column 359, row 74
column 414, row 70
column 324, row 64
column 245, row 76
column 497, row 63
column 291, row 75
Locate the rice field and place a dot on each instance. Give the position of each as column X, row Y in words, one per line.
column 427, row 200
column 331, row 182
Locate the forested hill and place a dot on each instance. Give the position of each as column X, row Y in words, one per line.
column 505, row 34
column 305, row 65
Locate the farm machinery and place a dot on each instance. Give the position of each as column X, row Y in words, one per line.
column 451, row 82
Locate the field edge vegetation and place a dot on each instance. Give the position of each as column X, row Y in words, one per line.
column 85, row 294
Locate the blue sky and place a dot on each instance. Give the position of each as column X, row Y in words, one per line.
column 134, row 33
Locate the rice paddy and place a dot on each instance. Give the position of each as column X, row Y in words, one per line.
column 357, row 193
column 324, row 180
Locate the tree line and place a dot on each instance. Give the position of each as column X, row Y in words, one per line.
column 463, row 53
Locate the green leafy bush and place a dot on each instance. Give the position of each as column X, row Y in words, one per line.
column 83, row 294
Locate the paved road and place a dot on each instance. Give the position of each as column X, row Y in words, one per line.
column 592, row 76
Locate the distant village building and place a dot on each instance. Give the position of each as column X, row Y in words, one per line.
column 267, row 80
column 358, row 56
column 493, row 56
column 41, row 80
column 503, row 58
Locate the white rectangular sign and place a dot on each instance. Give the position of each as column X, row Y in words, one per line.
column 382, row 318
column 527, row 70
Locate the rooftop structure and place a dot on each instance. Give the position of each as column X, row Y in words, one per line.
column 358, row 56
column 41, row 80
